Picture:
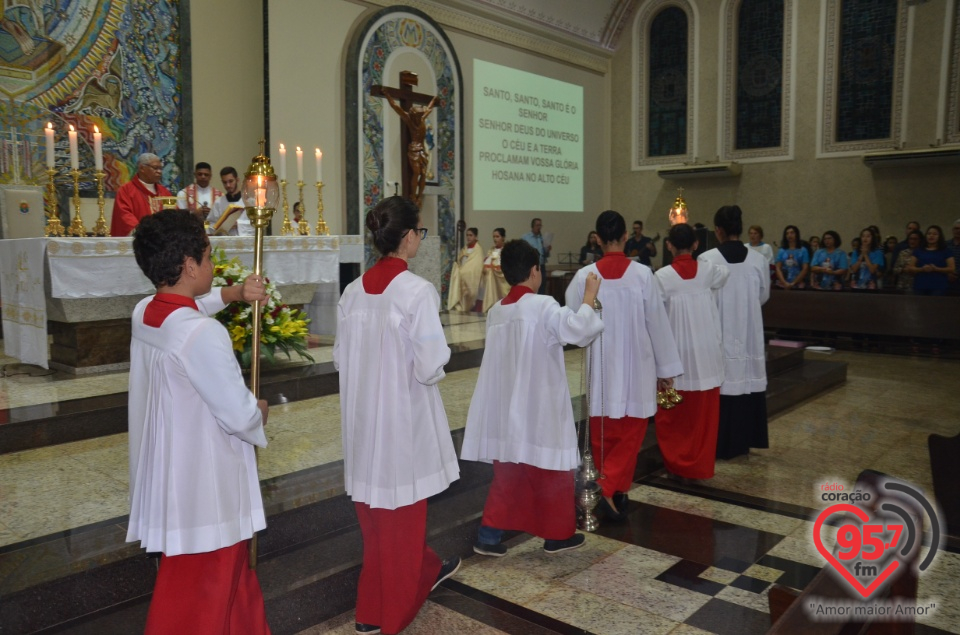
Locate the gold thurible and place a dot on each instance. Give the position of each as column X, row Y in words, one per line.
column 321, row 224
column 53, row 226
column 76, row 226
column 287, row 228
column 303, row 227
column 100, row 229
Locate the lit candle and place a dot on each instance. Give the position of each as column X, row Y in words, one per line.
column 319, row 166
column 49, row 132
column 261, row 193
column 299, row 164
column 283, row 163
column 74, row 155
column 97, row 149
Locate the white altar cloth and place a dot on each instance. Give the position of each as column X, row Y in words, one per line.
column 106, row 267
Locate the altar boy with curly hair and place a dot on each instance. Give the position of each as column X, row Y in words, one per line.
column 520, row 417
column 194, row 489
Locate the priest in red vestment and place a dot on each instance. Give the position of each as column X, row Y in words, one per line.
column 133, row 199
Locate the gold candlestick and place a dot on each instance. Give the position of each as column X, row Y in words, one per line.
column 287, row 228
column 100, row 229
column 53, row 226
column 76, row 226
column 321, row 224
column 303, row 227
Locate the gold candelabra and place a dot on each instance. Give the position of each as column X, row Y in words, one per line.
column 321, row 224
column 303, row 227
column 76, row 226
column 100, row 229
column 53, row 226
column 287, row 228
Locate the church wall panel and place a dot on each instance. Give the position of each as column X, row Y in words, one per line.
column 815, row 193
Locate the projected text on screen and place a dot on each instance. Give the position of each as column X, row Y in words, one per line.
column 527, row 141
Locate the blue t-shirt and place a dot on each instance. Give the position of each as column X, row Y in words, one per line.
column 931, row 280
column 836, row 260
column 792, row 261
column 862, row 278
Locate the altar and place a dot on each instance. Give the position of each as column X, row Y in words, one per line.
column 82, row 291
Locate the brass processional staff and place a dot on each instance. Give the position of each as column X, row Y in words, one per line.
column 260, row 195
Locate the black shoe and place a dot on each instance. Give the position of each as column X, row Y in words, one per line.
column 447, row 569
column 497, row 551
column 609, row 513
column 621, row 501
column 366, row 629
column 556, row 546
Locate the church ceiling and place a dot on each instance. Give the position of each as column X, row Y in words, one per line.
column 595, row 22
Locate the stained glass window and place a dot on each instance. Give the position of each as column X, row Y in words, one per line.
column 759, row 74
column 667, row 91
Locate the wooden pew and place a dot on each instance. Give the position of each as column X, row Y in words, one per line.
column 945, row 470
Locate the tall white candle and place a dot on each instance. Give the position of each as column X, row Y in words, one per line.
column 49, row 132
column 74, row 154
column 283, row 163
column 319, row 166
column 97, row 149
column 299, row 164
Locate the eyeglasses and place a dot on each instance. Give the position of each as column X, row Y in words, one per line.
column 420, row 230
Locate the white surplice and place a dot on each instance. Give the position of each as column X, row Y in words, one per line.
column 193, row 424
column 741, row 322
column 637, row 343
column 390, row 351
column 695, row 321
column 520, row 411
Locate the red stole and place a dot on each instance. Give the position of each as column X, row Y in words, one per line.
column 191, row 192
column 380, row 275
column 613, row 265
column 516, row 292
column 162, row 305
column 685, row 266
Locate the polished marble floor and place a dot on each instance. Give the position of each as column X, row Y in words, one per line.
column 692, row 559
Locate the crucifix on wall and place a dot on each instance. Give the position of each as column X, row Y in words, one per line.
column 409, row 105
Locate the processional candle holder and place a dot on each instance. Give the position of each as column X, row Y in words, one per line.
column 76, row 226
column 260, row 194
column 287, row 228
column 101, row 228
column 321, row 224
column 303, row 227
column 53, row 226
column 588, row 492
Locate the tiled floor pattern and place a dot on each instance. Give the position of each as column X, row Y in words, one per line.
column 675, row 567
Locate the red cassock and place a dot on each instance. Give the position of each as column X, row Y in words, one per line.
column 687, row 433
column 530, row 499
column 132, row 204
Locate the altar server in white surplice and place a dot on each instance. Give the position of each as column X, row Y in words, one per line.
column 743, row 394
column 397, row 449
column 687, row 433
column 638, row 349
column 194, row 489
column 520, row 417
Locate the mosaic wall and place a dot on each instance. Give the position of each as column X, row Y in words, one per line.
column 759, row 74
column 667, row 103
column 114, row 64
column 868, row 31
column 406, row 30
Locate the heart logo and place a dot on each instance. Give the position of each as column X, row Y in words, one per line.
column 854, row 536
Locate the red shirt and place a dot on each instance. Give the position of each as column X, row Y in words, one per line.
column 516, row 293
column 162, row 305
column 685, row 265
column 613, row 265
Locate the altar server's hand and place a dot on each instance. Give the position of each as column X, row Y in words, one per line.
column 253, row 289
column 665, row 384
column 262, row 404
column 590, row 288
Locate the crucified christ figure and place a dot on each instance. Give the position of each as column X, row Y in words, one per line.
column 416, row 121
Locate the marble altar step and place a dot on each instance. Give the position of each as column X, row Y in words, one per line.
column 89, row 581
